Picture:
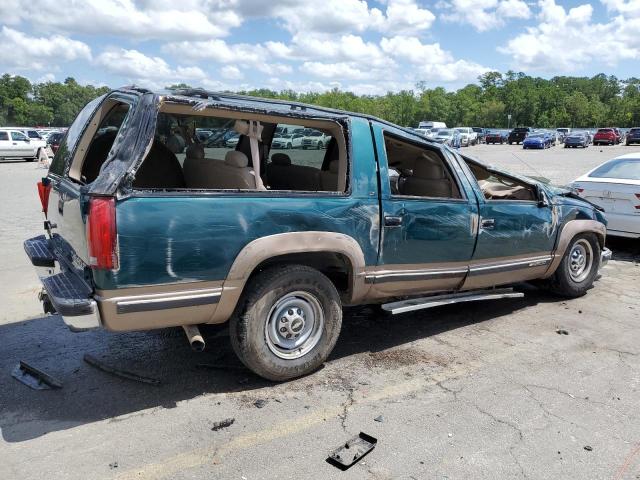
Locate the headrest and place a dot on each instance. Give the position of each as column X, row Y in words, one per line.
column 280, row 159
column 195, row 150
column 236, row 159
column 425, row 169
column 333, row 166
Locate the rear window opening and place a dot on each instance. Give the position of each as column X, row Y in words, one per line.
column 212, row 150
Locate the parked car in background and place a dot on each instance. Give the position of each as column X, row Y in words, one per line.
column 518, row 134
column 633, row 136
column 467, row 136
column 14, row 144
column 444, row 135
column 430, row 124
column 481, row 133
column 540, row 140
column 314, row 139
column 563, row 132
column 203, row 134
column 615, row 186
column 135, row 240
column 576, row 139
column 425, row 132
column 233, row 140
column 496, row 136
column 606, row 136
column 287, row 141
column 620, row 135
column 54, row 139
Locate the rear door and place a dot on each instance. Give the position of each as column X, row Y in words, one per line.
column 428, row 217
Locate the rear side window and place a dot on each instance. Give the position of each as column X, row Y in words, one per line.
column 4, row 136
column 623, row 169
column 63, row 155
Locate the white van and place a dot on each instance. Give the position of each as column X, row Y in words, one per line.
column 431, row 125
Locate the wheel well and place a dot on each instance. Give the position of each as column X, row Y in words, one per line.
column 336, row 266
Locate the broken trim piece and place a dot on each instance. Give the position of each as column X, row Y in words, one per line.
column 34, row 378
column 94, row 362
column 352, row 451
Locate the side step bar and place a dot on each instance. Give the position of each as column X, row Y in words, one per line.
column 412, row 304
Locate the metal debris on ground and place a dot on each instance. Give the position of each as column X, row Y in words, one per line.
column 227, row 422
column 260, row 403
column 113, row 465
column 379, row 419
column 34, row 378
column 353, row 450
column 94, row 362
column 588, row 448
column 562, row 332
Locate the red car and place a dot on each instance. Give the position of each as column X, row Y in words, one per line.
column 607, row 136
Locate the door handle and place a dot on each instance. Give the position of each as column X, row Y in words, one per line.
column 487, row 223
column 392, row 221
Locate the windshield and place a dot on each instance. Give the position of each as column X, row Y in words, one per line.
column 622, row 169
column 444, row 133
column 536, row 135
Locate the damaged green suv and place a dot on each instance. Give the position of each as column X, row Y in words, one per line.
column 149, row 225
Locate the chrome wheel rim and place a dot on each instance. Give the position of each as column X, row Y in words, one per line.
column 580, row 260
column 294, row 325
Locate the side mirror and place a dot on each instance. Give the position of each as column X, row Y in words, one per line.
column 26, row 140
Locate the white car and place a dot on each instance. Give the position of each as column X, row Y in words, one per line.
column 615, row 186
column 15, row 144
column 467, row 136
column 287, row 141
column 315, row 139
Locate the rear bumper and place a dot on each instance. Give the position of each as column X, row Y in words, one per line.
column 66, row 291
column 605, row 256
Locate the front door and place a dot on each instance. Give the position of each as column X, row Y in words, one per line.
column 516, row 235
column 428, row 229
column 20, row 145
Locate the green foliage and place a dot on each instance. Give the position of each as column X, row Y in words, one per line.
column 532, row 101
column 49, row 103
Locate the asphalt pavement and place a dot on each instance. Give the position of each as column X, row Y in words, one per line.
column 488, row 390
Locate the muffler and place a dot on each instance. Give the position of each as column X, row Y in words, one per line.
column 196, row 340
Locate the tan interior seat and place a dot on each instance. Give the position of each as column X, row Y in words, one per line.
column 329, row 178
column 498, row 191
column 428, row 180
column 207, row 173
column 283, row 175
column 278, row 172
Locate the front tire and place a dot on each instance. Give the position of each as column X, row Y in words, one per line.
column 578, row 268
column 287, row 323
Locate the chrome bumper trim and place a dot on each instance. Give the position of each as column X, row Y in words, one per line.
column 81, row 323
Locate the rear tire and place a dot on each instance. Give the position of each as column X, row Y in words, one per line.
column 287, row 322
column 578, row 268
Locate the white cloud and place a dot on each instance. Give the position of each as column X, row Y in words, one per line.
column 139, row 68
column 568, row 40
column 406, row 17
column 411, row 49
column 485, row 15
column 629, row 8
column 336, row 71
column 230, row 72
column 141, row 20
column 37, row 53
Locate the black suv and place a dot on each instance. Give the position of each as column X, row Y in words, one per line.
column 518, row 134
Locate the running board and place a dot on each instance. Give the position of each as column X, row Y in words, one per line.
column 439, row 300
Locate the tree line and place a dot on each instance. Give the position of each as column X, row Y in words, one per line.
column 530, row 101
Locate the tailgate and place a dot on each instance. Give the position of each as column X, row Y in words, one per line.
column 67, row 215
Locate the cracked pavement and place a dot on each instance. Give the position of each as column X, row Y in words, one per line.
column 476, row 391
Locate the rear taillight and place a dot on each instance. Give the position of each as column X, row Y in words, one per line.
column 637, row 207
column 44, row 188
column 579, row 190
column 102, row 234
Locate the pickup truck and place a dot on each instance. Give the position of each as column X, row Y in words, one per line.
column 138, row 237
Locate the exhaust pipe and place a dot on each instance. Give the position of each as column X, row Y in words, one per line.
column 196, row 340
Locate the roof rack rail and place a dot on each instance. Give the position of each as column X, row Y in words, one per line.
column 196, row 92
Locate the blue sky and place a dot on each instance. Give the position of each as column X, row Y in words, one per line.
column 364, row 46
